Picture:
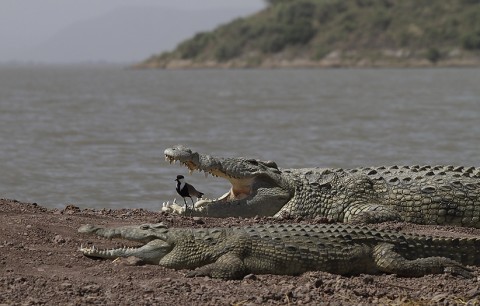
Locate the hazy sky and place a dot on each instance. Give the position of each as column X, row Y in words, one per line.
column 25, row 24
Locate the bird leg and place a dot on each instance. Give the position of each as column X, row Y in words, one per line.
column 186, row 206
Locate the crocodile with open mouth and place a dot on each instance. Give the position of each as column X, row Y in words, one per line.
column 418, row 194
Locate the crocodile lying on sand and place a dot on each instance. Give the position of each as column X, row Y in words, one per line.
column 418, row 194
column 290, row 249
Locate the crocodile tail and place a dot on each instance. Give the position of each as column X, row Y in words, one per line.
column 471, row 251
column 463, row 250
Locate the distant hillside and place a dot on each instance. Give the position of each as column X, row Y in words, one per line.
column 329, row 33
column 125, row 34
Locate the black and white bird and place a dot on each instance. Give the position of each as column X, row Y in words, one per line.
column 185, row 190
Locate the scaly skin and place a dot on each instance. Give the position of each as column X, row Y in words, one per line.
column 444, row 195
column 290, row 249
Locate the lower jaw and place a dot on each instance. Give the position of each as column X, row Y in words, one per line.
column 205, row 204
column 228, row 197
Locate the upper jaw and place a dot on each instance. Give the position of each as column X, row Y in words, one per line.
column 228, row 168
column 209, row 165
column 140, row 233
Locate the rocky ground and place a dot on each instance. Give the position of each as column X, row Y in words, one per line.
column 40, row 264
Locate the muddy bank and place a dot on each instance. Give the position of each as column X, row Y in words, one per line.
column 40, row 265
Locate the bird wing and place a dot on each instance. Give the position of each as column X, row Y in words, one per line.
column 194, row 192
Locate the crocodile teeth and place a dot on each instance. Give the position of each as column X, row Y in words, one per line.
column 201, row 203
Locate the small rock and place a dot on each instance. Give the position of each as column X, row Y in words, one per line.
column 71, row 209
column 439, row 297
column 473, row 292
column 130, row 261
column 198, row 220
column 66, row 285
column 307, row 300
column 20, row 279
column 250, row 276
column 92, row 288
column 318, row 283
column 368, row 280
column 58, row 239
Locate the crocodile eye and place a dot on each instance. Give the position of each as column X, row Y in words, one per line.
column 144, row 226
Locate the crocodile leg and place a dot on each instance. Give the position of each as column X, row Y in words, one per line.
column 228, row 266
column 388, row 260
column 370, row 213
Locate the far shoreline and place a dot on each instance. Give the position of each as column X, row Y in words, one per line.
column 303, row 63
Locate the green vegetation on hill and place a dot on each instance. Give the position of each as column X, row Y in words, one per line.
column 338, row 33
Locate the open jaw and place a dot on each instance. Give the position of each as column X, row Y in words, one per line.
column 257, row 187
column 241, row 188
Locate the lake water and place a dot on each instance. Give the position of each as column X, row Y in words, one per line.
column 94, row 136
